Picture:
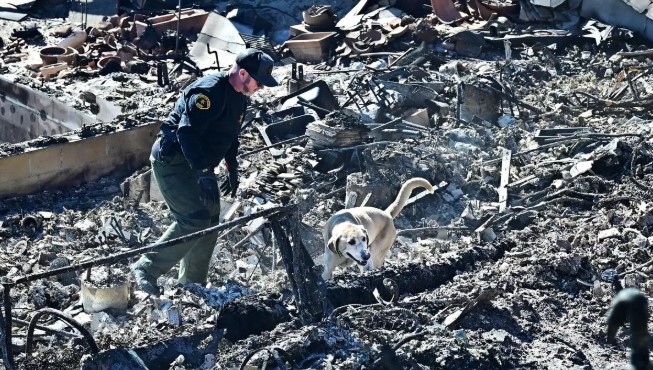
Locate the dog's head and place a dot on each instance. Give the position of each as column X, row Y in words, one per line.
column 350, row 241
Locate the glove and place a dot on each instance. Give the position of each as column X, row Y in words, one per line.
column 209, row 194
column 230, row 185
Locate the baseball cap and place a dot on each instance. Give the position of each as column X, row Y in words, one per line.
column 258, row 64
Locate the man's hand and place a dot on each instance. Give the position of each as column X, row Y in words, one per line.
column 230, row 185
column 209, row 194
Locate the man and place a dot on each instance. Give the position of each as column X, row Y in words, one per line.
column 201, row 130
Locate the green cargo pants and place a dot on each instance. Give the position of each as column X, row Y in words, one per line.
column 178, row 185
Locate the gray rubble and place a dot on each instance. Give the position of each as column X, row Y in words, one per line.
column 531, row 119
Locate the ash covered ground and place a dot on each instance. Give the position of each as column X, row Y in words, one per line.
column 480, row 286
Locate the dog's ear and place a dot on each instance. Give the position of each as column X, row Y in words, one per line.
column 333, row 245
column 367, row 237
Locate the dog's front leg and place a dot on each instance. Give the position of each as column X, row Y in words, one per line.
column 329, row 266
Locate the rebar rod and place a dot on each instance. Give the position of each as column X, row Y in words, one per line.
column 178, row 23
column 152, row 247
column 48, row 330
column 279, row 143
column 63, row 317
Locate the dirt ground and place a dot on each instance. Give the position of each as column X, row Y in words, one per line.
column 528, row 288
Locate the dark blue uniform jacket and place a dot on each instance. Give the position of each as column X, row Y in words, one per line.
column 207, row 119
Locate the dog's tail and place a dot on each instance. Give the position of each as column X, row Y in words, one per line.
column 404, row 194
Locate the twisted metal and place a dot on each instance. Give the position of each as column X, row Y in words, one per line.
column 63, row 317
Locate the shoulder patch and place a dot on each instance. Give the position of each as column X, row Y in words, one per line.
column 202, row 102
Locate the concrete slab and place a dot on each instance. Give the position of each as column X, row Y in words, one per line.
column 189, row 21
column 76, row 162
column 27, row 114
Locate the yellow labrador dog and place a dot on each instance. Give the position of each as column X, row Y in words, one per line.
column 364, row 235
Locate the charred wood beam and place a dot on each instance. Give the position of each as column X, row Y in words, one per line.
column 314, row 107
column 411, row 279
column 607, row 103
column 309, row 278
column 251, row 315
column 589, row 135
column 308, row 287
column 334, row 71
column 5, row 326
column 633, row 159
column 285, row 249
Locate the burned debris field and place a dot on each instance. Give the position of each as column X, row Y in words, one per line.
column 530, row 119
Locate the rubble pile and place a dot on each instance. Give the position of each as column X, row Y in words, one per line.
column 279, row 180
column 336, row 130
column 531, row 119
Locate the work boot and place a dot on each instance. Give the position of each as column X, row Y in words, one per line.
column 145, row 281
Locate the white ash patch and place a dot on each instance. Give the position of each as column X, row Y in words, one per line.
column 219, row 296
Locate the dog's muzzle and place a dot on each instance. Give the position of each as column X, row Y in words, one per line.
column 361, row 262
